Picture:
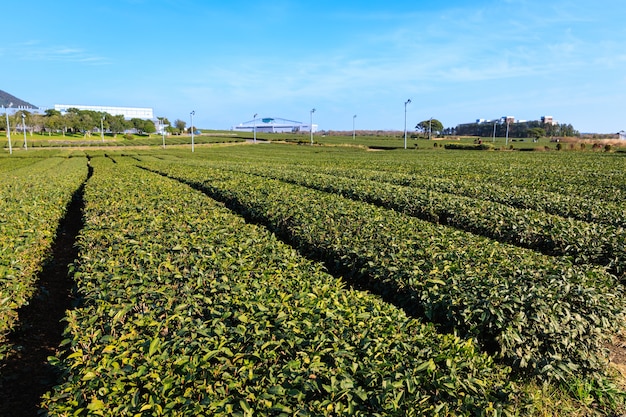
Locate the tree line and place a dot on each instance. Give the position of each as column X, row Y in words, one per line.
column 86, row 122
column 528, row 129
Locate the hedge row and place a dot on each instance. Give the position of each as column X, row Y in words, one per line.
column 187, row 310
column 33, row 201
column 10, row 164
column 579, row 203
column 554, row 235
column 541, row 314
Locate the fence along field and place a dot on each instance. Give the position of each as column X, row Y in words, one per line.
column 187, row 310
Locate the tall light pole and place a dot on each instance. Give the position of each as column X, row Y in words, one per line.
column 102, row 128
column 254, row 117
column 311, row 125
column 191, row 115
column 506, row 142
column 6, row 112
column 24, row 129
column 430, row 128
column 353, row 130
column 405, row 103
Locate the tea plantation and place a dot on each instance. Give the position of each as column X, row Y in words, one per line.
column 286, row 280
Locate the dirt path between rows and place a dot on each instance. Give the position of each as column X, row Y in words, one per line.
column 617, row 351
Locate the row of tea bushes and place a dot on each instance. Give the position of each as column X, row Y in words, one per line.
column 555, row 235
column 552, row 177
column 588, row 187
column 33, row 199
column 541, row 314
column 11, row 164
column 187, row 310
column 578, row 205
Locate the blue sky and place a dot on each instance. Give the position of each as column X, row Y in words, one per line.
column 456, row 60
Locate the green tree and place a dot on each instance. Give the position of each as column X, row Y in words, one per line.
column 567, row 130
column 149, row 127
column 83, row 121
column 116, row 124
column 137, row 124
column 430, row 126
column 52, row 112
column 20, row 121
column 180, row 125
column 53, row 121
column 143, row 126
column 37, row 123
column 90, row 120
column 536, row 132
column 70, row 120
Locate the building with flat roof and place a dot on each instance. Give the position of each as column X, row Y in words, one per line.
column 127, row 112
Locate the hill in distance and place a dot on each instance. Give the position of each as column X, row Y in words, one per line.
column 6, row 99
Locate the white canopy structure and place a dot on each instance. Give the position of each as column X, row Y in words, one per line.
column 273, row 125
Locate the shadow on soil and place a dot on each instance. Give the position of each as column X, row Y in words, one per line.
column 26, row 375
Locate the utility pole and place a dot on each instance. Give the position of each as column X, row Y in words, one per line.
column 405, row 103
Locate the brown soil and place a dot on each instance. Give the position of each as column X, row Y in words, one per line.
column 617, row 356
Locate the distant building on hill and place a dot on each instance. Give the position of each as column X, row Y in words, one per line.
column 274, row 125
column 127, row 112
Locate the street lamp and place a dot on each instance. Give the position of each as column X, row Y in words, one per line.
column 102, row 128
column 254, row 117
column 191, row 115
column 311, row 125
column 6, row 112
column 430, row 128
column 506, row 143
column 353, row 131
column 405, row 103
column 24, row 129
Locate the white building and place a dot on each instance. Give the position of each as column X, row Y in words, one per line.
column 622, row 135
column 273, row 125
column 127, row 112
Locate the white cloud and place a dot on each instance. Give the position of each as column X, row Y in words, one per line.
column 36, row 51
